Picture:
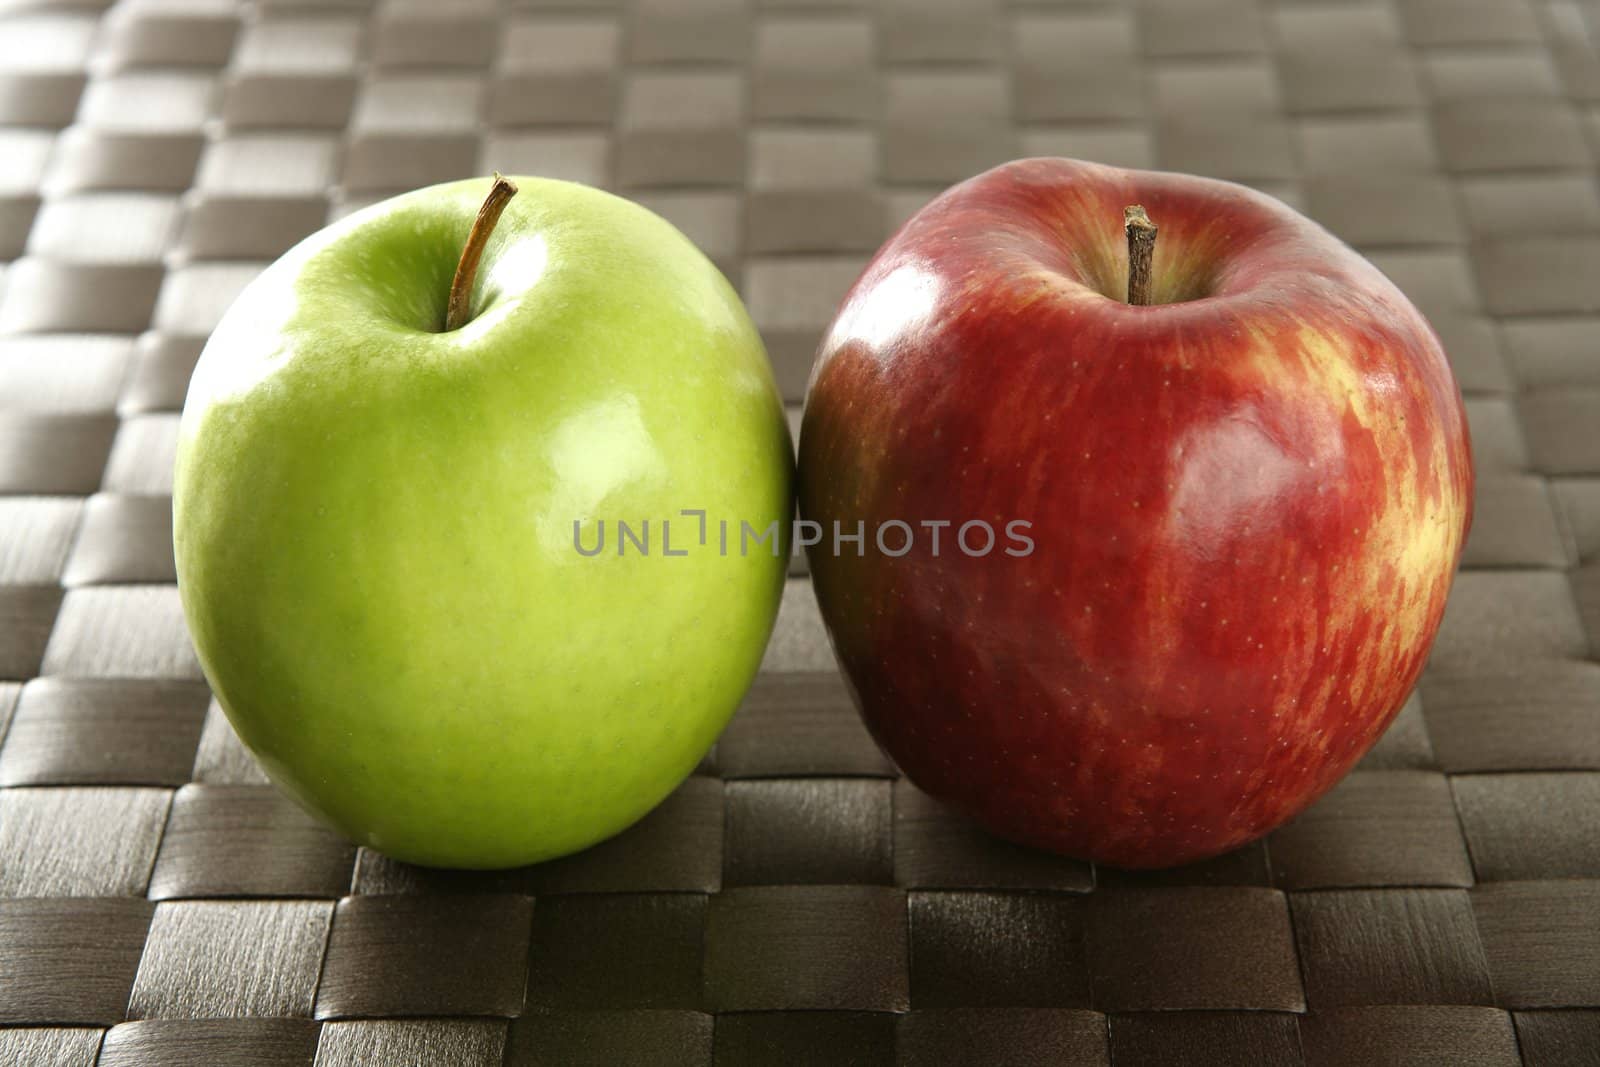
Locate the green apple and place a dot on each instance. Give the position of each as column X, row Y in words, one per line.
column 374, row 520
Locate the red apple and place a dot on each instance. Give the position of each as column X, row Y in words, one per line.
column 1245, row 504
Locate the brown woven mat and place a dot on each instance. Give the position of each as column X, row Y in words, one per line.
column 794, row 903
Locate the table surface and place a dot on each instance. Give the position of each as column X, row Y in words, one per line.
column 794, row 903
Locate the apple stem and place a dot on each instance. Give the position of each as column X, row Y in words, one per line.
column 1141, row 254
column 459, row 309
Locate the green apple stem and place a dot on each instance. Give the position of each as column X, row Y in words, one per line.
column 1141, row 253
column 459, row 309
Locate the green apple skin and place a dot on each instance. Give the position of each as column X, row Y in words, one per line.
column 373, row 521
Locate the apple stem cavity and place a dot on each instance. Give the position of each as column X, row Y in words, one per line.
column 1141, row 254
column 459, row 310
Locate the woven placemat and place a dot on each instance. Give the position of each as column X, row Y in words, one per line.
column 794, row 903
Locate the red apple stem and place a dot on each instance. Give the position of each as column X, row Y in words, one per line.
column 1141, row 254
column 459, row 309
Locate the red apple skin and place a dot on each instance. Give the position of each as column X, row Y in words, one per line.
column 1246, row 508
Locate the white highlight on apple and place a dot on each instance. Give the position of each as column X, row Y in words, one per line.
column 598, row 450
column 516, row 270
column 909, row 293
